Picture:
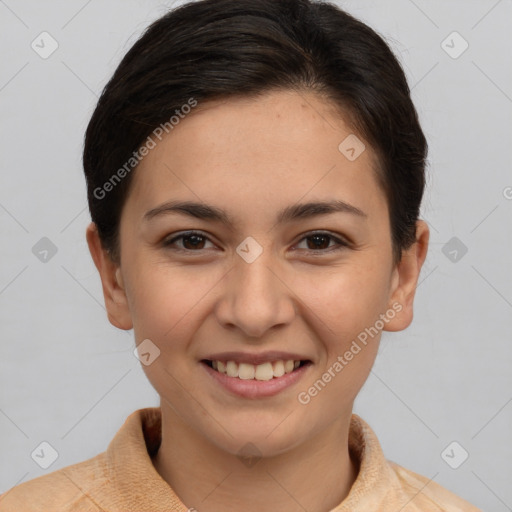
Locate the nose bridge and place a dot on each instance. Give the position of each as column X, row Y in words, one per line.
column 255, row 298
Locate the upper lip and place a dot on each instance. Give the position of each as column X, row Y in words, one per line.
column 259, row 358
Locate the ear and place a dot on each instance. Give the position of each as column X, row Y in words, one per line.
column 405, row 280
column 114, row 293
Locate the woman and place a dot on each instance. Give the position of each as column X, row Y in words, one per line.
column 255, row 170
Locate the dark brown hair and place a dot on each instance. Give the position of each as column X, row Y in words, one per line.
column 216, row 49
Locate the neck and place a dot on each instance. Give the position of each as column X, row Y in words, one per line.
column 315, row 476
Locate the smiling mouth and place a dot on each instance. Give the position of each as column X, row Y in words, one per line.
column 265, row 371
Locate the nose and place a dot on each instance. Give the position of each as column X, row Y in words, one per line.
column 255, row 298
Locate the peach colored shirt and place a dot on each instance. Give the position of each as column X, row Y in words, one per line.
column 123, row 479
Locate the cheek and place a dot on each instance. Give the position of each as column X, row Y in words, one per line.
column 165, row 304
column 165, row 300
column 345, row 300
column 346, row 307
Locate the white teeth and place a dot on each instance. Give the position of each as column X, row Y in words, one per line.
column 246, row 371
column 288, row 366
column 264, row 371
column 278, row 369
column 232, row 369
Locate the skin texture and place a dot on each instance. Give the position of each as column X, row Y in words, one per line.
column 253, row 157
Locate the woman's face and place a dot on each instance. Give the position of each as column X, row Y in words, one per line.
column 264, row 278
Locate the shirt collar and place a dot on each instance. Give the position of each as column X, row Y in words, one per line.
column 138, row 486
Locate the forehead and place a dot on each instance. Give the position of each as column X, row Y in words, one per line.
column 258, row 155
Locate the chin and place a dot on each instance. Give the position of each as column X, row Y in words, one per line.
column 268, row 440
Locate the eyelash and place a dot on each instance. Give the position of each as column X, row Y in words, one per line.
column 341, row 244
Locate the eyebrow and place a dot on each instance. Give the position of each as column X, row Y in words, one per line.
column 288, row 214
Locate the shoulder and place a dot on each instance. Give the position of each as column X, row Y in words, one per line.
column 66, row 489
column 426, row 495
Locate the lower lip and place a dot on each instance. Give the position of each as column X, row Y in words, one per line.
column 257, row 388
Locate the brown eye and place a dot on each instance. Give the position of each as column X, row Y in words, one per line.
column 193, row 242
column 318, row 241
column 189, row 242
column 321, row 242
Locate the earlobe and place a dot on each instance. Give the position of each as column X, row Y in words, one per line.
column 405, row 279
column 112, row 283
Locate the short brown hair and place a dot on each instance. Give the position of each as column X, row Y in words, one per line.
column 216, row 49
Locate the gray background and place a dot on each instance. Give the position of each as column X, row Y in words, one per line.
column 69, row 378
